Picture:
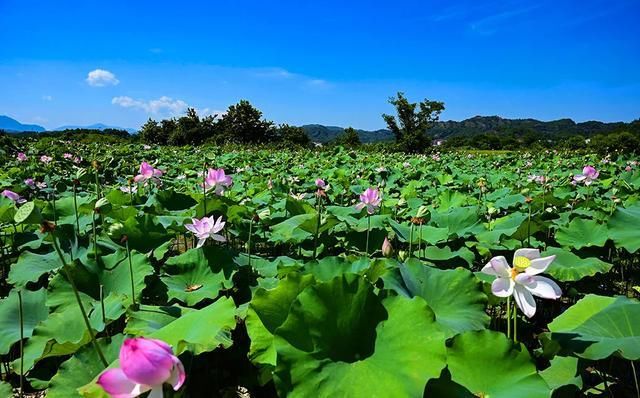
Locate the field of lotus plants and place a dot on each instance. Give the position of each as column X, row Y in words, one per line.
column 129, row 271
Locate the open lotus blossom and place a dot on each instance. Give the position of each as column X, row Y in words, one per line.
column 129, row 189
column 217, row 180
column 41, row 184
column 145, row 365
column 67, row 156
column 21, row 157
column 589, row 174
column 523, row 280
column 147, row 172
column 30, row 182
column 320, row 183
column 370, row 199
column 46, row 159
column 538, row 179
column 206, row 228
column 13, row 196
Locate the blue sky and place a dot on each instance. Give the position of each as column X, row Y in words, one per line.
column 329, row 62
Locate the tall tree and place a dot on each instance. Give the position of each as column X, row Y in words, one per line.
column 412, row 122
column 244, row 124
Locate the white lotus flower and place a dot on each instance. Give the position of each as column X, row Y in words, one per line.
column 522, row 281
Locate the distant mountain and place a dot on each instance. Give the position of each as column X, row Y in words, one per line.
column 96, row 126
column 479, row 125
column 12, row 125
column 320, row 133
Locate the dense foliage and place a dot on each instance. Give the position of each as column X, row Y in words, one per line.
column 304, row 297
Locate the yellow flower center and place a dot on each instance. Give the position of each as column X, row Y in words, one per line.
column 521, row 263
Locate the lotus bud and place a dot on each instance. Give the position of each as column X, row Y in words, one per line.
column 387, row 249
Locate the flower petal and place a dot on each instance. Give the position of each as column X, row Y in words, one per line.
column 200, row 243
column 539, row 265
column 544, row 287
column 500, row 266
column 502, row 287
column 178, row 375
column 531, row 254
column 117, row 385
column 525, row 301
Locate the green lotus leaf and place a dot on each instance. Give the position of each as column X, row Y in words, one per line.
column 488, row 364
column 597, row 327
column 421, row 233
column 83, row 367
column 570, row 267
column 459, row 221
column 582, row 233
column 562, row 372
column 341, row 340
column 267, row 311
column 31, row 266
column 623, row 228
column 149, row 318
column 198, row 274
column 34, row 311
column 455, row 296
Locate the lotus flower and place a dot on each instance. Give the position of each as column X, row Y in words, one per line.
column 538, row 179
column 589, row 174
column 320, row 183
column 145, row 365
column 387, row 249
column 129, row 189
column 217, row 180
column 206, row 228
column 30, row 182
column 147, row 172
column 369, row 199
column 522, row 281
column 67, row 156
column 46, row 159
column 13, row 196
column 21, row 157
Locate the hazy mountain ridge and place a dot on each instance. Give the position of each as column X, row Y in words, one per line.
column 479, row 125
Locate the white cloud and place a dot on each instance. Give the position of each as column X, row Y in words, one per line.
column 101, row 78
column 163, row 105
column 47, row 98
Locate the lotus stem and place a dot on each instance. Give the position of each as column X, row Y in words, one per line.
column 515, row 323
column 75, row 208
column 410, row 240
column 368, row 230
column 204, row 188
column 509, row 317
column 95, row 237
column 133, row 288
column 249, row 241
column 104, row 316
column 79, row 301
column 635, row 379
column 315, row 238
column 21, row 344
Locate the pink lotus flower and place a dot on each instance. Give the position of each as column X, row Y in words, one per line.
column 522, row 281
column 589, row 174
column 206, row 228
column 30, row 182
column 320, row 183
column 46, row 159
column 13, row 196
column 21, row 157
column 67, row 156
column 147, row 172
column 77, row 160
column 628, row 168
column 145, row 365
column 387, row 249
column 217, row 180
column 370, row 199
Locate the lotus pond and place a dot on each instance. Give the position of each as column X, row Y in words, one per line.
column 132, row 271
